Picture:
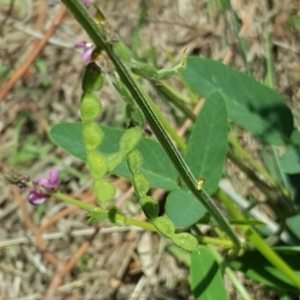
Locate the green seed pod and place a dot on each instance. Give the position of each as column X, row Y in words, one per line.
column 150, row 207
column 141, row 184
column 135, row 115
column 92, row 79
column 105, row 191
column 130, row 139
column 165, row 226
column 114, row 159
column 122, row 51
column 112, row 214
column 134, row 161
column 90, row 108
column 97, row 164
column 186, row 241
column 92, row 136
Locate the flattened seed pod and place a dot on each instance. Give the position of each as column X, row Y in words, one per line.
column 90, row 108
column 165, row 226
column 134, row 161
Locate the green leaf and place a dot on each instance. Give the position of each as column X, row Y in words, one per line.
column 250, row 104
column 206, row 278
column 257, row 268
column 290, row 160
column 156, row 164
column 183, row 208
column 207, row 145
column 293, row 224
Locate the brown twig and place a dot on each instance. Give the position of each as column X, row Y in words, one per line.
column 67, row 267
column 21, row 71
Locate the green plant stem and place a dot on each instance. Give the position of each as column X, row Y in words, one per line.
column 259, row 243
column 175, row 97
column 215, row 241
column 270, row 82
column 102, row 41
column 132, row 222
column 241, row 40
column 281, row 173
column 92, row 208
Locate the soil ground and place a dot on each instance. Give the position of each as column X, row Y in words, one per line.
column 38, row 243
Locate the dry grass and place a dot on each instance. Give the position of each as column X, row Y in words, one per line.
column 50, row 252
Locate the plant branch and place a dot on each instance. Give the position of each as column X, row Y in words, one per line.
column 132, row 222
column 102, row 41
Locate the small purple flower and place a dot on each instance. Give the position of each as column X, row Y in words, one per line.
column 50, row 183
column 148, row 130
column 88, row 49
column 36, row 196
column 87, row 2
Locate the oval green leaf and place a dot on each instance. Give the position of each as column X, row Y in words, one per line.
column 207, row 145
column 290, row 160
column 183, row 208
column 206, row 278
column 156, row 164
column 249, row 103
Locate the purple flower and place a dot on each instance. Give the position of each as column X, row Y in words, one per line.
column 88, row 49
column 36, row 196
column 148, row 130
column 87, row 2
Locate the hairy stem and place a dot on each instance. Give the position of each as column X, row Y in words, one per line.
column 102, row 41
